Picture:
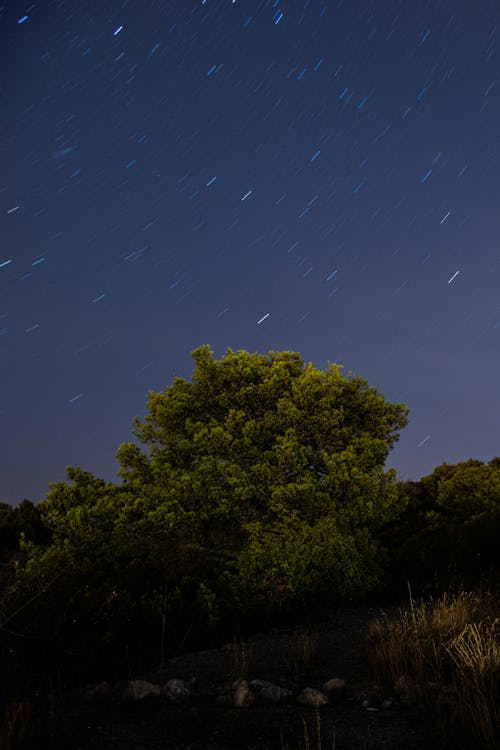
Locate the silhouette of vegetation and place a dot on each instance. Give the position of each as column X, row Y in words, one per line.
column 259, row 490
column 448, row 534
column 253, row 493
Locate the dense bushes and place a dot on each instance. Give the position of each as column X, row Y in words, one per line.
column 448, row 534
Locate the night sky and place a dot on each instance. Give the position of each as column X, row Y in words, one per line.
column 314, row 176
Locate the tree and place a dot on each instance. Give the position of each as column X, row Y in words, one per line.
column 273, row 465
column 256, row 485
column 449, row 531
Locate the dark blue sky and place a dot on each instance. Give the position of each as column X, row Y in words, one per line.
column 173, row 172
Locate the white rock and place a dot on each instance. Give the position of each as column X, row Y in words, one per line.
column 138, row 690
column 404, row 687
column 335, row 688
column 312, row 697
column 274, row 694
column 176, row 691
column 101, row 693
column 372, row 697
column 257, row 685
column 243, row 696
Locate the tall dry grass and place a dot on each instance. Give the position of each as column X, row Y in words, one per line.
column 15, row 727
column 312, row 736
column 291, row 654
column 298, row 652
column 446, row 654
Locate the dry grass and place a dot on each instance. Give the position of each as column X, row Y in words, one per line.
column 24, row 716
column 15, row 725
column 449, row 654
column 299, row 652
column 294, row 654
column 312, row 737
column 243, row 658
column 317, row 742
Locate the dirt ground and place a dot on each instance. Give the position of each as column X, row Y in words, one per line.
column 305, row 656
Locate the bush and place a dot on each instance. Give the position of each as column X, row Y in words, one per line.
column 448, row 534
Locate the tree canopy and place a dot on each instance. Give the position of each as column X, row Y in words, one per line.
column 258, row 453
column 450, row 528
column 258, row 483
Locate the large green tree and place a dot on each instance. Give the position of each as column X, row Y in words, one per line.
column 273, row 465
column 257, row 484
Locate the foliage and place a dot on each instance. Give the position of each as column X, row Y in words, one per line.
column 16, row 520
column 260, row 474
column 17, row 523
column 450, row 529
column 276, row 466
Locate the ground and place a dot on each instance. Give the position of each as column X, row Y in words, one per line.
column 297, row 657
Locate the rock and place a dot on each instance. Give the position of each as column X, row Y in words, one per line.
column 267, row 692
column 101, row 693
column 335, row 688
column 258, row 685
column 312, row 697
column 243, row 696
column 404, row 688
column 388, row 703
column 139, row 690
column 372, row 698
column 274, row 694
column 176, row 691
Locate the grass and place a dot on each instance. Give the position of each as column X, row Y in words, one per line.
column 447, row 651
column 294, row 654
column 312, row 737
column 30, row 713
column 299, row 652
column 243, row 654
column 14, row 725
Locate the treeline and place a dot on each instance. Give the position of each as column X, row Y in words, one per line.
column 255, row 492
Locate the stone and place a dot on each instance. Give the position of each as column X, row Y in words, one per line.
column 312, row 697
column 335, row 688
column 258, row 685
column 372, row 698
column 404, row 688
column 139, row 690
column 176, row 691
column 243, row 696
column 274, row 694
column 101, row 693
column 388, row 703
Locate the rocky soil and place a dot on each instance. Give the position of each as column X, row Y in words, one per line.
column 291, row 688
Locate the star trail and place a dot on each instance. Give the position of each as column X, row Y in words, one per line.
column 319, row 177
